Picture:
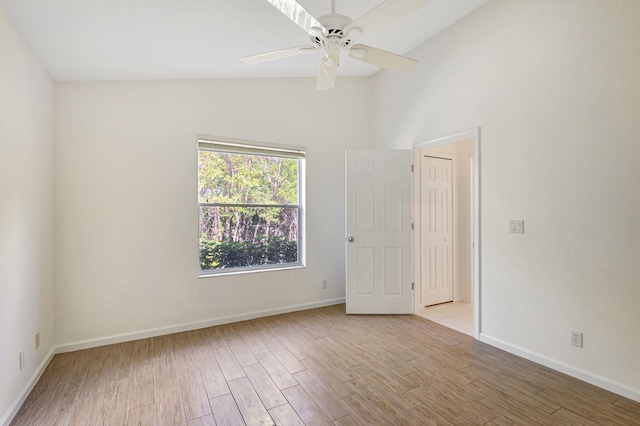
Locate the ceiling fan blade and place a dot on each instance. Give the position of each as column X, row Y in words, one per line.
column 382, row 58
column 278, row 54
column 327, row 74
column 385, row 14
column 298, row 14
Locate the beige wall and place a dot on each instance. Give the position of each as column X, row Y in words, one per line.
column 26, row 215
column 126, row 198
column 554, row 87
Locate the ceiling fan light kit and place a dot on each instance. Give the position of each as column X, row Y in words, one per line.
column 334, row 33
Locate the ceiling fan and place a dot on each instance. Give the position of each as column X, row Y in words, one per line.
column 334, row 32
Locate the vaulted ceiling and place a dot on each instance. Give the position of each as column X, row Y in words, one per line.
column 184, row 39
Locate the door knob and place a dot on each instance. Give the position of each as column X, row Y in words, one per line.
column 350, row 239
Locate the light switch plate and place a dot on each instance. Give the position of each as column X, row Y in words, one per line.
column 516, row 226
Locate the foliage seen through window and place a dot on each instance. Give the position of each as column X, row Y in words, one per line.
column 249, row 210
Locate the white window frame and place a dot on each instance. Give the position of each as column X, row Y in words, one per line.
column 238, row 146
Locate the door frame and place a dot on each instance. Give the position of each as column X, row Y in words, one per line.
column 474, row 135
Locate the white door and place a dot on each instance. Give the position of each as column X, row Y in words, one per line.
column 437, row 232
column 379, row 253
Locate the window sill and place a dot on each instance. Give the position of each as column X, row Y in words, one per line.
column 242, row 271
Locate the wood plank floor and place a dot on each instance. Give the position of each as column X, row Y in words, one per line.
column 316, row 367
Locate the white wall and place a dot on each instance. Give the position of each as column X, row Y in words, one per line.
column 554, row 87
column 126, row 197
column 26, row 214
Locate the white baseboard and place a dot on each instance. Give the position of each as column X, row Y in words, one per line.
column 572, row 371
column 153, row 332
column 8, row 416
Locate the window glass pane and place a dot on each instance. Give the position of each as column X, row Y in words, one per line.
column 241, row 236
column 246, row 179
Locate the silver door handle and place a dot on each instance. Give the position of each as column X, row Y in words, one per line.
column 350, row 239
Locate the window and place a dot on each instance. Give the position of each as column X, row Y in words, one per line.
column 250, row 202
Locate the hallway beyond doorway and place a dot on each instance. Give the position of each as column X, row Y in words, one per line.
column 455, row 315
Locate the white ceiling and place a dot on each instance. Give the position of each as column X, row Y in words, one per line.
column 168, row 39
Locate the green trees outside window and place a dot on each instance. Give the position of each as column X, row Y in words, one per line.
column 249, row 210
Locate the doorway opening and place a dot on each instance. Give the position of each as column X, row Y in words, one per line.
column 446, row 239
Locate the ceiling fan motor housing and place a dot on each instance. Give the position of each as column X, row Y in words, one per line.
column 335, row 24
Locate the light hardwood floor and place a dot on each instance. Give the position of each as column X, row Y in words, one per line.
column 317, row 367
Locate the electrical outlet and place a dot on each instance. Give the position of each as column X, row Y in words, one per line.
column 324, row 284
column 576, row 338
column 37, row 340
column 21, row 356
